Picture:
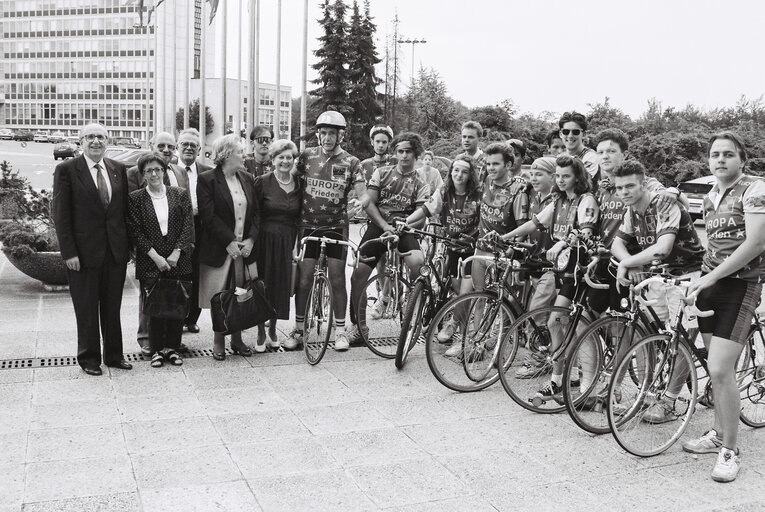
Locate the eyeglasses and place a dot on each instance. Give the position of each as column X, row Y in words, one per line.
column 156, row 170
column 566, row 131
column 187, row 145
column 165, row 146
column 263, row 140
column 92, row 136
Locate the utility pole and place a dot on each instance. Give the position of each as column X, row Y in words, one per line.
column 395, row 71
column 413, row 42
column 387, row 76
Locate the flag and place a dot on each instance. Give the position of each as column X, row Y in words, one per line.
column 213, row 8
column 152, row 9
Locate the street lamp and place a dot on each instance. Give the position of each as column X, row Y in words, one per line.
column 413, row 42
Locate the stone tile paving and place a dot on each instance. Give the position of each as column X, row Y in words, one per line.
column 272, row 433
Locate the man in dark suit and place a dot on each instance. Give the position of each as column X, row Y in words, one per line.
column 164, row 144
column 188, row 148
column 89, row 210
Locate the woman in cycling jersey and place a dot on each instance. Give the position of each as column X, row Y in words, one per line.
column 730, row 285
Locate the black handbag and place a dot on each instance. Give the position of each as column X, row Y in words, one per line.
column 232, row 312
column 167, row 298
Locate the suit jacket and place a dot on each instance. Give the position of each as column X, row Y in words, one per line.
column 216, row 208
column 145, row 232
column 136, row 181
column 180, row 170
column 84, row 227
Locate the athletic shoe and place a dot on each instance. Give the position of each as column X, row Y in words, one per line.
column 661, row 411
column 354, row 335
column 534, row 365
column 378, row 310
column 341, row 341
column 455, row 350
column 550, row 390
column 274, row 344
column 447, row 331
column 710, row 442
column 727, row 466
column 294, row 341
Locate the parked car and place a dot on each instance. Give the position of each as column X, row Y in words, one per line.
column 6, row 134
column 57, row 137
column 72, row 139
column 127, row 156
column 128, row 142
column 695, row 190
column 41, row 137
column 66, row 150
column 23, row 135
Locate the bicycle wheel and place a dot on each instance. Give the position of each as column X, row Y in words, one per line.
column 466, row 324
column 591, row 362
column 380, row 313
column 750, row 374
column 630, row 399
column 319, row 317
column 526, row 361
column 411, row 325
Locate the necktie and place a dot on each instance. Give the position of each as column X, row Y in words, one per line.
column 103, row 191
column 188, row 169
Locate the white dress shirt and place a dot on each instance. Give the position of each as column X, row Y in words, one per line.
column 91, row 168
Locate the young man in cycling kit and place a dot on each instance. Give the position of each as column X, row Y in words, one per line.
column 328, row 173
column 398, row 188
column 573, row 128
column 730, row 285
column 380, row 137
column 470, row 134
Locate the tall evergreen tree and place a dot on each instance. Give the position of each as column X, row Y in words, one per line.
column 363, row 81
column 332, row 93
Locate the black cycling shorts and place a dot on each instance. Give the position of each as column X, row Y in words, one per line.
column 334, row 251
column 407, row 243
column 452, row 262
column 733, row 300
column 598, row 299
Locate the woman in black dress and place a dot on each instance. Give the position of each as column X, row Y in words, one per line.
column 279, row 196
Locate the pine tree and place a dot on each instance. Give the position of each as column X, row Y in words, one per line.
column 363, row 81
column 332, row 93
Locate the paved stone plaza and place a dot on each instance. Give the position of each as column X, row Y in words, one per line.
column 273, row 433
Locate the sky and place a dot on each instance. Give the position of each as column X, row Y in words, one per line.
column 550, row 55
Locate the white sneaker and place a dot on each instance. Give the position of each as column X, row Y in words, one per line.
column 378, row 310
column 727, row 466
column 294, row 341
column 661, row 411
column 341, row 341
column 454, row 350
column 710, row 442
column 447, row 331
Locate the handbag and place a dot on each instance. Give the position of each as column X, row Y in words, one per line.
column 240, row 308
column 167, row 298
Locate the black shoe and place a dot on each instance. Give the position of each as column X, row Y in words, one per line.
column 122, row 365
column 92, row 371
column 219, row 356
column 192, row 328
column 183, row 348
column 242, row 351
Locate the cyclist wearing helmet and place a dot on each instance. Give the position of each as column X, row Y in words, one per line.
column 379, row 136
column 328, row 173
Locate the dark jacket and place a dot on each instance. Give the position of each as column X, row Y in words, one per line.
column 136, row 181
column 216, row 209
column 145, row 232
column 84, row 227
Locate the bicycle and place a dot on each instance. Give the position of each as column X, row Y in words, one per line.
column 654, row 361
column 430, row 291
column 319, row 314
column 381, row 328
column 482, row 318
column 526, row 356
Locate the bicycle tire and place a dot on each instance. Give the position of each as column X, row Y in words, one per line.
column 449, row 369
column 381, row 334
column 527, row 365
column 601, row 341
column 627, row 416
column 750, row 376
column 411, row 325
column 319, row 319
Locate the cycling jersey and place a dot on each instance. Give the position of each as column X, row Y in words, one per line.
column 541, row 239
column 564, row 214
column 459, row 214
column 612, row 209
column 433, row 178
column 724, row 213
column 479, row 161
column 646, row 228
column 258, row 168
column 370, row 164
column 327, row 180
column 589, row 158
column 502, row 209
column 398, row 192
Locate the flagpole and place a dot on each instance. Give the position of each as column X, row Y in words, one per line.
column 148, row 83
column 202, row 62
column 238, row 117
column 257, row 63
column 251, row 64
column 304, row 79
column 162, row 85
column 224, row 5
column 278, row 103
column 174, row 77
column 156, row 73
column 187, row 79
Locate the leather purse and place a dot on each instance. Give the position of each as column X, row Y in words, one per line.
column 167, row 298
column 240, row 308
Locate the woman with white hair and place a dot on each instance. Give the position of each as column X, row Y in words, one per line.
column 230, row 214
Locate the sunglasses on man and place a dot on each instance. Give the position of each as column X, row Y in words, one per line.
column 566, row 131
column 263, row 140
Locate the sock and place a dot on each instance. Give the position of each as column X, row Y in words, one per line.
column 340, row 323
column 557, row 379
column 299, row 319
column 670, row 396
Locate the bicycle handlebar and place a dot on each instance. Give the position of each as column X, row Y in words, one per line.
column 683, row 282
column 326, row 240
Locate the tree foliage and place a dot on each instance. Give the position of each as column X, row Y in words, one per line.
column 194, row 118
column 333, row 82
